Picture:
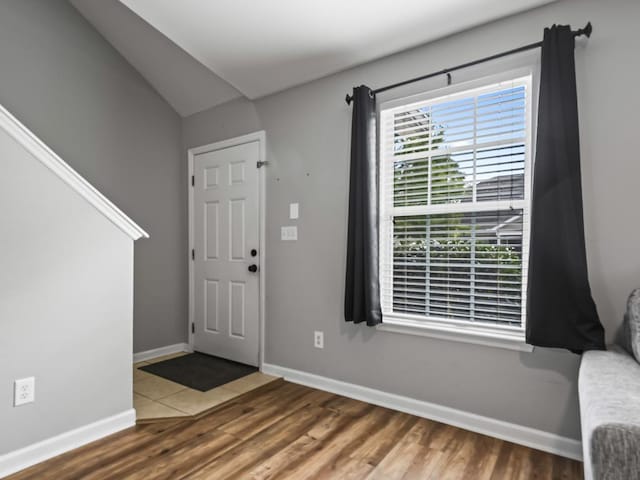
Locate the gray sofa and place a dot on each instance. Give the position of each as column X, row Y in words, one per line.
column 609, row 387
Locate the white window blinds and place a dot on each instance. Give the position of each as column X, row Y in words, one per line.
column 455, row 182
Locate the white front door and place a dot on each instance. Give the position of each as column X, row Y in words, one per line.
column 226, row 282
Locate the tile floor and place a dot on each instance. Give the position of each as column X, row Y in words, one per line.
column 156, row 398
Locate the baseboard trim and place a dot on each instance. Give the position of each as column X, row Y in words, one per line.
column 159, row 352
column 529, row 437
column 17, row 460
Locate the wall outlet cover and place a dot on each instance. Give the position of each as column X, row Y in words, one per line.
column 24, row 391
column 289, row 233
column 318, row 339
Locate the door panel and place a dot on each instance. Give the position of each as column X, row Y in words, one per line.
column 226, row 229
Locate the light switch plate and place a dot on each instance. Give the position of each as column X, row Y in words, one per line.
column 294, row 211
column 289, row 233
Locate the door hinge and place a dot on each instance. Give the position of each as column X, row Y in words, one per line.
column 193, row 180
column 193, row 254
column 261, row 164
column 193, row 327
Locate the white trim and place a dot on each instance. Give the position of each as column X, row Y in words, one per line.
column 461, row 89
column 476, row 334
column 159, row 352
column 260, row 137
column 191, row 313
column 511, row 432
column 263, row 242
column 449, row 329
column 39, row 452
column 468, row 207
column 48, row 158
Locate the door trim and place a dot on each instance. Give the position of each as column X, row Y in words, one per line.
column 260, row 137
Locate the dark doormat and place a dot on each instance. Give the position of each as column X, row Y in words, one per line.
column 199, row 371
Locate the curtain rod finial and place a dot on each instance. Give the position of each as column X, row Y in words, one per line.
column 588, row 29
column 348, row 99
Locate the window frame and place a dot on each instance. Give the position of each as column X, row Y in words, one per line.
column 495, row 335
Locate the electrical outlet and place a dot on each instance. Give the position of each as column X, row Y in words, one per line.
column 24, row 391
column 289, row 233
column 318, row 339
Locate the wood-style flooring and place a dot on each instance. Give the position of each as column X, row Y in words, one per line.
column 287, row 431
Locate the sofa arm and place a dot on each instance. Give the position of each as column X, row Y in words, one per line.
column 609, row 387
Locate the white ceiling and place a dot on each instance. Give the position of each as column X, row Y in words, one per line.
column 186, row 84
column 200, row 53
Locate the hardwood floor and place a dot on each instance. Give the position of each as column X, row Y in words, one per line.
column 287, row 431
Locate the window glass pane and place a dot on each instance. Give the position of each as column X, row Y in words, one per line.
column 451, row 178
column 412, row 132
column 463, row 266
column 411, row 182
column 500, row 173
column 438, row 153
column 500, row 116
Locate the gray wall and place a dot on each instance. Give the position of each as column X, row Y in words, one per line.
column 67, row 304
column 308, row 142
column 72, row 89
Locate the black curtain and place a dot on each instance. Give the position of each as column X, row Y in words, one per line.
column 362, row 287
column 560, row 309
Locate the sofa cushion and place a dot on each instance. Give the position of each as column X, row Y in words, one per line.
column 632, row 323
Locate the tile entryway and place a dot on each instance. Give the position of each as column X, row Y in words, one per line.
column 157, row 399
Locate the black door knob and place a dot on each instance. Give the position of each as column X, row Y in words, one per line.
column 254, row 252
column 253, row 268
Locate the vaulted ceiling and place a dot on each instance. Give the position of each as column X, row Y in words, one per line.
column 201, row 53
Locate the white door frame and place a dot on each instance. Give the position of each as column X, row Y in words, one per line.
column 260, row 137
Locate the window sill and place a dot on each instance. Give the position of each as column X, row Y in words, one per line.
column 479, row 335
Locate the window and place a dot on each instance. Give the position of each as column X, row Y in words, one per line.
column 455, row 187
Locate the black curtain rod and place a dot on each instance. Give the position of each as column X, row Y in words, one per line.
column 583, row 31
